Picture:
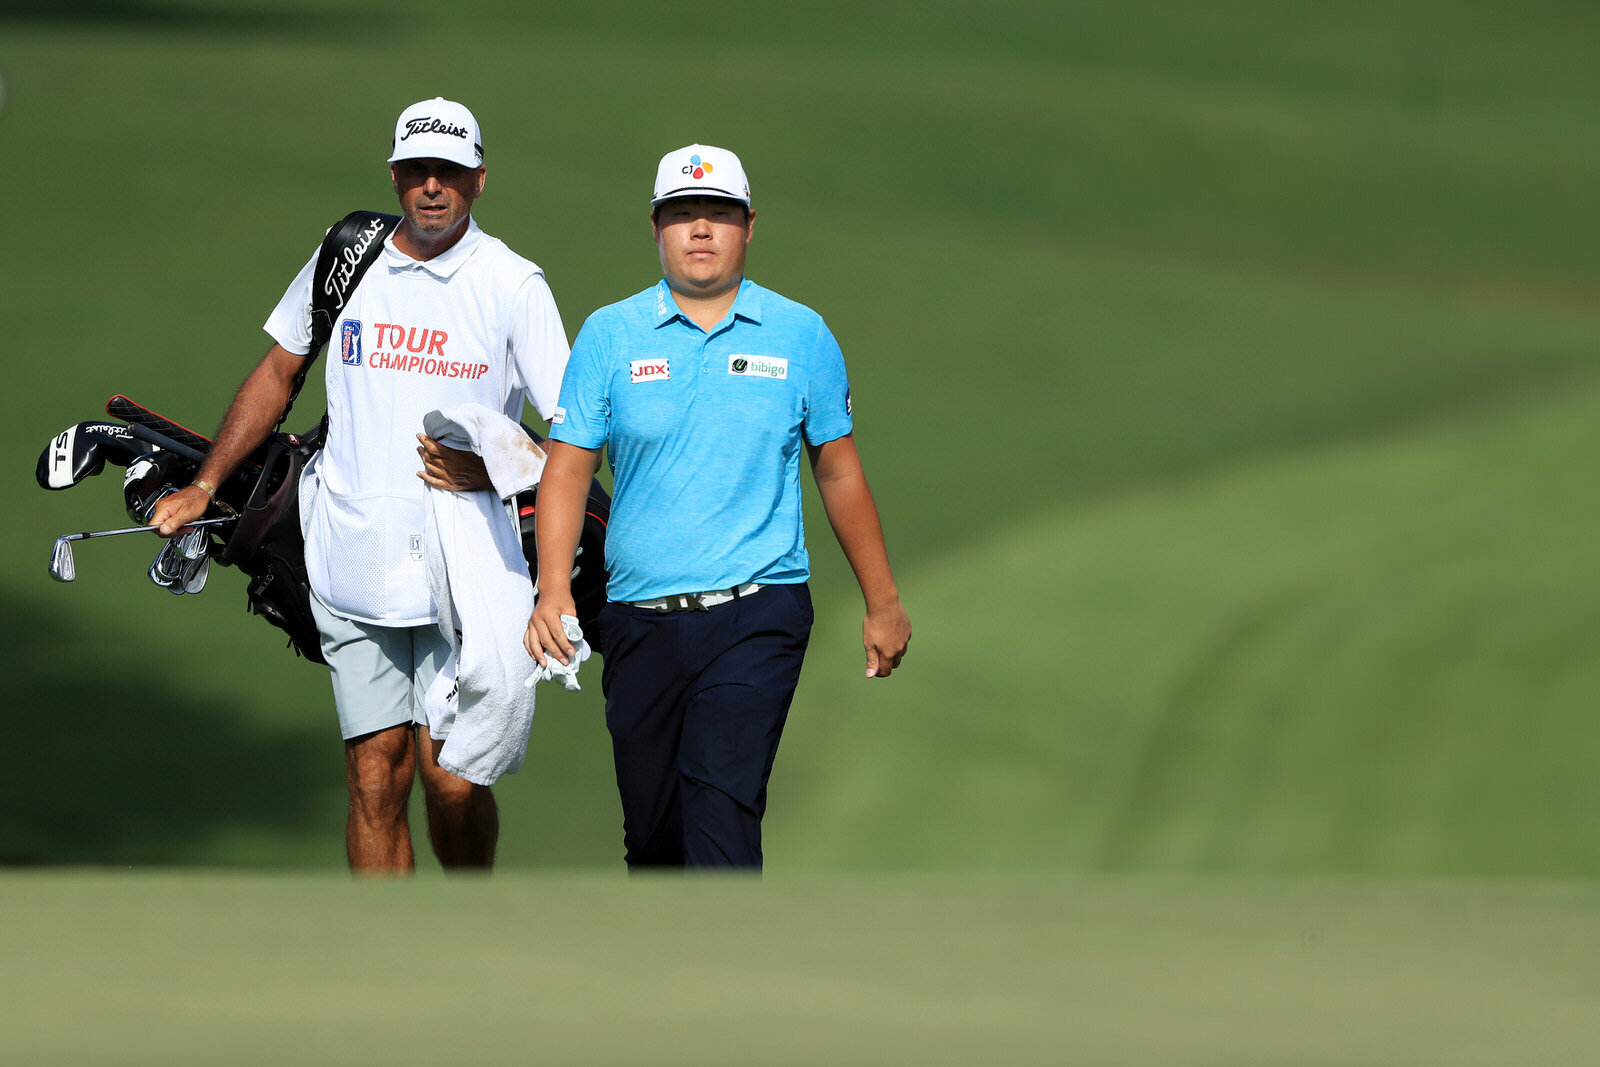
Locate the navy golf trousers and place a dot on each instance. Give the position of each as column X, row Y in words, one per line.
column 695, row 703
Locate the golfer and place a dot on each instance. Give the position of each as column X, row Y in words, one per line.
column 447, row 315
column 705, row 389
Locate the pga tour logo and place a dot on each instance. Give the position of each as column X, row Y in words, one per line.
column 350, row 342
column 648, row 370
column 775, row 367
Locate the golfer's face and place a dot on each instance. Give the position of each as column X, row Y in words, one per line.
column 702, row 241
column 435, row 194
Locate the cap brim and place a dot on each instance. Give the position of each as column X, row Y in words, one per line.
column 698, row 190
column 423, row 152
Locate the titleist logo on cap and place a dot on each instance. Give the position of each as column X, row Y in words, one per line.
column 432, row 125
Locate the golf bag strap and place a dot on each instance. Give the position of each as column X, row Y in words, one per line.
column 353, row 245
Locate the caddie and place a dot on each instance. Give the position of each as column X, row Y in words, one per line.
column 447, row 315
column 705, row 390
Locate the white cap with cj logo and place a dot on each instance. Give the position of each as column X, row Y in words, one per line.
column 701, row 170
column 438, row 129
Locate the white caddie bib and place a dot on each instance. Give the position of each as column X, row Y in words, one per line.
column 413, row 338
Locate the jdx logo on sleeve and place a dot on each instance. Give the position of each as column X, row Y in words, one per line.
column 776, row 367
column 648, row 370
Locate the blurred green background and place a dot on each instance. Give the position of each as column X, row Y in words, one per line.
column 1225, row 373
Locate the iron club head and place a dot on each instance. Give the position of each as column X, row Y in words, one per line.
column 63, row 568
column 194, row 565
column 193, row 544
column 194, row 574
column 167, row 569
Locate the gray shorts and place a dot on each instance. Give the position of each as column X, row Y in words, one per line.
column 380, row 673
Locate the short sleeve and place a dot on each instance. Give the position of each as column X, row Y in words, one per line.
column 827, row 391
column 583, row 417
column 290, row 322
column 538, row 344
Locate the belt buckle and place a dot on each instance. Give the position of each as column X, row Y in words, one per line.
column 681, row 602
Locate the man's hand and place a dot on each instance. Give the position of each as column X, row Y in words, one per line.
column 546, row 636
column 854, row 517
column 885, row 634
column 563, row 487
column 451, row 468
column 176, row 510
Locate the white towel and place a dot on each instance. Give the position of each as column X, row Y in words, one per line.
column 480, row 583
column 554, row 668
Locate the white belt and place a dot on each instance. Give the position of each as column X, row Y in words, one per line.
column 695, row 601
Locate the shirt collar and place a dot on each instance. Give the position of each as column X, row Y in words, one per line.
column 747, row 305
column 442, row 266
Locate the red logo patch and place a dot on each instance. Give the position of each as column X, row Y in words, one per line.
column 649, row 370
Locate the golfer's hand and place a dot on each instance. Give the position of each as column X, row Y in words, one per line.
column 451, row 468
column 546, row 636
column 175, row 510
column 885, row 634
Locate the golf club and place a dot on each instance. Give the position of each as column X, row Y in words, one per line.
column 81, row 451
column 194, row 573
column 161, row 440
column 121, row 407
column 193, row 544
column 151, row 477
column 194, row 561
column 167, row 569
column 63, row 568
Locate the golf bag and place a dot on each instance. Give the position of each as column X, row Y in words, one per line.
column 267, row 544
column 264, row 539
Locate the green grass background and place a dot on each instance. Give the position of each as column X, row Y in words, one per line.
column 582, row 968
column 1226, row 377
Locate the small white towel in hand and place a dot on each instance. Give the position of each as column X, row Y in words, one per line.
column 554, row 668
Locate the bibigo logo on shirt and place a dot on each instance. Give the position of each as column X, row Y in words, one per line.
column 776, row 367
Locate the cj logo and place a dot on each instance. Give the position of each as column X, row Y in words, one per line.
column 697, row 168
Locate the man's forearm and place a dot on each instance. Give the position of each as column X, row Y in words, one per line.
column 853, row 514
column 254, row 411
column 563, row 489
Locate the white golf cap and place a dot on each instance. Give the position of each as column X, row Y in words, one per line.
column 438, row 129
column 701, row 170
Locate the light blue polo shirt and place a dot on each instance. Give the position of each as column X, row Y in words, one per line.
column 704, row 434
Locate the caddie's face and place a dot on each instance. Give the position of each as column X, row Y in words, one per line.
column 703, row 240
column 435, row 194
